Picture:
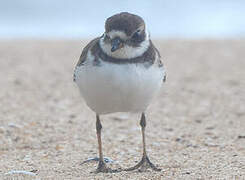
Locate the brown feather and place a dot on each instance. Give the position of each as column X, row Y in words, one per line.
column 125, row 22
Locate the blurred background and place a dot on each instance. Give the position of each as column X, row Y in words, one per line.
column 196, row 127
column 79, row 19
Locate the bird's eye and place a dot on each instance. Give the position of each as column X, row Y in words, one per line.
column 136, row 35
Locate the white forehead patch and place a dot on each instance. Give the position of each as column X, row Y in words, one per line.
column 112, row 34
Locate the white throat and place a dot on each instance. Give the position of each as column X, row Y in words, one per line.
column 126, row 52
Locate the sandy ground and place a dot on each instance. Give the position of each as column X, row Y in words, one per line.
column 195, row 127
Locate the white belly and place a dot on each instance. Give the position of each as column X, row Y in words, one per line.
column 110, row 88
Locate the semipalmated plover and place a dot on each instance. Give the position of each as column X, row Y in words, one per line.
column 121, row 71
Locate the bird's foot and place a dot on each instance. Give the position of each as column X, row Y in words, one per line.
column 104, row 169
column 144, row 164
column 106, row 160
column 102, row 165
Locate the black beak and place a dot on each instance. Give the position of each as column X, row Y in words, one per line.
column 116, row 44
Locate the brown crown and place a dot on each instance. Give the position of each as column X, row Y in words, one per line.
column 124, row 21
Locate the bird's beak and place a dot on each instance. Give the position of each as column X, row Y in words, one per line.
column 116, row 44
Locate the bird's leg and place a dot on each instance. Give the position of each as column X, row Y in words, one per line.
column 102, row 160
column 145, row 161
column 102, row 166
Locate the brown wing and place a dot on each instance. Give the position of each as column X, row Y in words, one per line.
column 83, row 56
column 160, row 64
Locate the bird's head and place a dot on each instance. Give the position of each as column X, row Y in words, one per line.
column 125, row 36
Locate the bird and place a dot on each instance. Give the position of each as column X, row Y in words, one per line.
column 120, row 71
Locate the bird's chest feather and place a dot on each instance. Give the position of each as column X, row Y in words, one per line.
column 120, row 86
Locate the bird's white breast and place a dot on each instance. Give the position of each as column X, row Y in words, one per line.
column 110, row 87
